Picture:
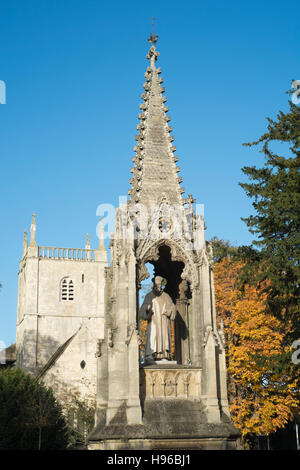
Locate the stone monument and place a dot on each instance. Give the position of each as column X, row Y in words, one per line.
column 160, row 403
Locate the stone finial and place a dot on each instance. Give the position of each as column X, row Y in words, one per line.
column 25, row 243
column 152, row 56
column 153, row 37
column 87, row 242
column 210, row 253
column 189, row 200
column 32, row 231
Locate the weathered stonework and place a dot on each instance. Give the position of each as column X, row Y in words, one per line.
column 167, row 405
column 78, row 318
column 55, row 336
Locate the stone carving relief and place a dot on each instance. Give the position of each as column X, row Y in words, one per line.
column 171, row 383
column 142, row 272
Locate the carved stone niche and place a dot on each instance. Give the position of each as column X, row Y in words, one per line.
column 171, row 383
column 170, row 262
column 155, row 255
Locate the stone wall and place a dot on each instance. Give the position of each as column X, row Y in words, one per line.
column 73, row 374
column 46, row 321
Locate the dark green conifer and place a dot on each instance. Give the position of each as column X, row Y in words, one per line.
column 275, row 189
column 30, row 416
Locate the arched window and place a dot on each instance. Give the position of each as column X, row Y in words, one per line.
column 67, row 289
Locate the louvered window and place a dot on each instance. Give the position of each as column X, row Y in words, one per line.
column 67, row 289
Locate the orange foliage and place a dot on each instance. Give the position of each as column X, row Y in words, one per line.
column 262, row 396
column 143, row 332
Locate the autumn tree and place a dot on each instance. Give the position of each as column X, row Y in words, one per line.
column 262, row 394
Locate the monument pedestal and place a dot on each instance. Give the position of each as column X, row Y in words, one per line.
column 173, row 416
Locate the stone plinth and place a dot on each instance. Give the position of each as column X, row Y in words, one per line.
column 173, row 416
column 157, row 381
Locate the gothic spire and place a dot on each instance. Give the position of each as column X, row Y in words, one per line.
column 155, row 174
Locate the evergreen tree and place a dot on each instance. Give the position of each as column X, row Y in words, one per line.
column 30, row 417
column 275, row 190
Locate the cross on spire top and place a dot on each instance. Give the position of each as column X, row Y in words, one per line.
column 189, row 200
column 153, row 37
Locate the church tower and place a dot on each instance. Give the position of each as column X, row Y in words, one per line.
column 180, row 402
column 60, row 315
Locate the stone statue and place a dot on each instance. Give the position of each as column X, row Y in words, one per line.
column 158, row 309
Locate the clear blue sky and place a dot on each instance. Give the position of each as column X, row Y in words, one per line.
column 74, row 72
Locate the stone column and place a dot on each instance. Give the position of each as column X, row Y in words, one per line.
column 210, row 377
column 206, row 292
column 134, row 412
column 210, row 384
column 223, row 374
column 117, row 348
column 195, row 314
column 102, row 381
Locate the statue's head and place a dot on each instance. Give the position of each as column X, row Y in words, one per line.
column 159, row 284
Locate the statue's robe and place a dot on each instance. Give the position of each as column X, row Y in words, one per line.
column 158, row 340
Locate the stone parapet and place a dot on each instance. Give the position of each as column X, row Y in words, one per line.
column 67, row 254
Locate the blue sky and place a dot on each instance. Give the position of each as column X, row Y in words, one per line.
column 74, row 72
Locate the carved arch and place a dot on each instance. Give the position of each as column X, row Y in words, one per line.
column 177, row 254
